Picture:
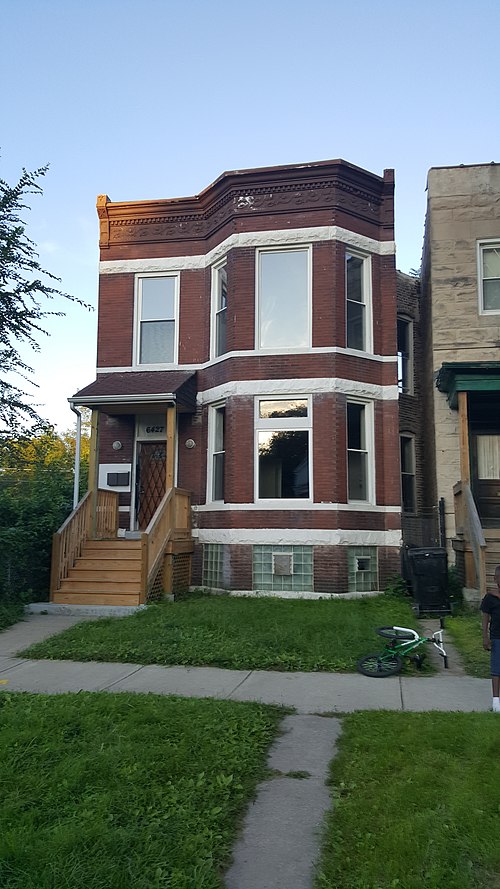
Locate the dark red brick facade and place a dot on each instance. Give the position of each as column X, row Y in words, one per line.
column 340, row 208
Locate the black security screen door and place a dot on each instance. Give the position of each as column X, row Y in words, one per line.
column 151, row 480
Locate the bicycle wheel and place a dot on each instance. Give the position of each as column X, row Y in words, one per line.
column 380, row 665
column 393, row 633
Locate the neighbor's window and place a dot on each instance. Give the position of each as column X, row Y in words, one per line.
column 283, row 298
column 358, row 452
column 156, row 301
column 405, row 356
column 408, row 491
column 218, row 419
column 358, row 302
column 283, row 429
column 219, row 291
column 489, row 275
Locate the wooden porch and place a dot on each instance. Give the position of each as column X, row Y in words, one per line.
column 92, row 565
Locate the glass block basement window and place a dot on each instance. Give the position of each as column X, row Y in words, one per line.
column 213, row 554
column 283, row 568
column 362, row 569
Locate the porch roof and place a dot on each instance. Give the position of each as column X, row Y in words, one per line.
column 131, row 391
column 468, row 376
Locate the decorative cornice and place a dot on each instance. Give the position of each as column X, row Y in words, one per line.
column 325, row 186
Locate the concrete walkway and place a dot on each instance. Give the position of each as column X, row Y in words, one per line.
column 280, row 838
column 308, row 693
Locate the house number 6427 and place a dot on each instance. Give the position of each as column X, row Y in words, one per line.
column 155, row 428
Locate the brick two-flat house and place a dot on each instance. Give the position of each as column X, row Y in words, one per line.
column 245, row 407
column 460, row 309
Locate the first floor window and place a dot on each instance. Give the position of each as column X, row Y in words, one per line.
column 358, row 468
column 489, row 274
column 218, row 452
column 283, row 448
column 408, row 491
column 156, row 302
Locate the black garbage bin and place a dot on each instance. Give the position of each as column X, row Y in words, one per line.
column 428, row 570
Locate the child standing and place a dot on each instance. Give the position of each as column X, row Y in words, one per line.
column 490, row 606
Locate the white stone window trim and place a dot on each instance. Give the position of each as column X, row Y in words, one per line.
column 212, row 412
column 282, row 248
column 282, row 424
column 369, row 448
column 214, row 311
column 367, row 300
column 484, row 244
column 136, row 344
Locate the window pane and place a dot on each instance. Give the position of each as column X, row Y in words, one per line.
column 157, row 298
column 407, row 461
column 157, row 342
column 356, row 466
column 283, row 299
column 220, row 321
column 408, row 492
column 218, row 477
column 283, row 464
column 354, row 267
column 219, row 429
column 355, row 325
column 282, row 408
column 491, row 262
column 491, row 291
column 222, row 288
column 356, row 439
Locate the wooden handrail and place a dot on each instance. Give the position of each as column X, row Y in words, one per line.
column 173, row 517
column 468, row 524
column 68, row 541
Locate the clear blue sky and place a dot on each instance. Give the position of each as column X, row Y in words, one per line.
column 154, row 99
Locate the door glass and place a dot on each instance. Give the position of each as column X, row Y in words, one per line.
column 488, row 456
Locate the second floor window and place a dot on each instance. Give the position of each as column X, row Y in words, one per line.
column 357, row 302
column 405, row 356
column 489, row 274
column 283, row 299
column 156, row 309
column 219, row 291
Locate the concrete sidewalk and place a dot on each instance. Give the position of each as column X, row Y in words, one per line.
column 308, row 693
column 279, row 842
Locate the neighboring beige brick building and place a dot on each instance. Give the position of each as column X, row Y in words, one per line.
column 461, row 367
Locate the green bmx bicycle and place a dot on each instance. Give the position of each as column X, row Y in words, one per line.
column 402, row 643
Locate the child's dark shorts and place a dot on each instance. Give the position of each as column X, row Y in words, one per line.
column 495, row 657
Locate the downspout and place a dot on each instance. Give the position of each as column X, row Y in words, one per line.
column 76, row 487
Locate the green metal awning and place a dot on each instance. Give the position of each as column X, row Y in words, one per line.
column 468, row 376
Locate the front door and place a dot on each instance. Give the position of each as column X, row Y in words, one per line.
column 151, row 480
column 486, row 477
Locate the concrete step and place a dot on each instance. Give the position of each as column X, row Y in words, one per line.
column 90, row 597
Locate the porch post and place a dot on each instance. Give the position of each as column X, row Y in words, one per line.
column 94, row 471
column 463, row 423
column 170, row 462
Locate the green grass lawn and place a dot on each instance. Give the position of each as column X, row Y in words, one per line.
column 10, row 613
column 266, row 634
column 466, row 633
column 416, row 803
column 105, row 791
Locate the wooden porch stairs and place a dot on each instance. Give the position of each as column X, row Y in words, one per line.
column 91, row 565
column 108, row 572
column 492, row 554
